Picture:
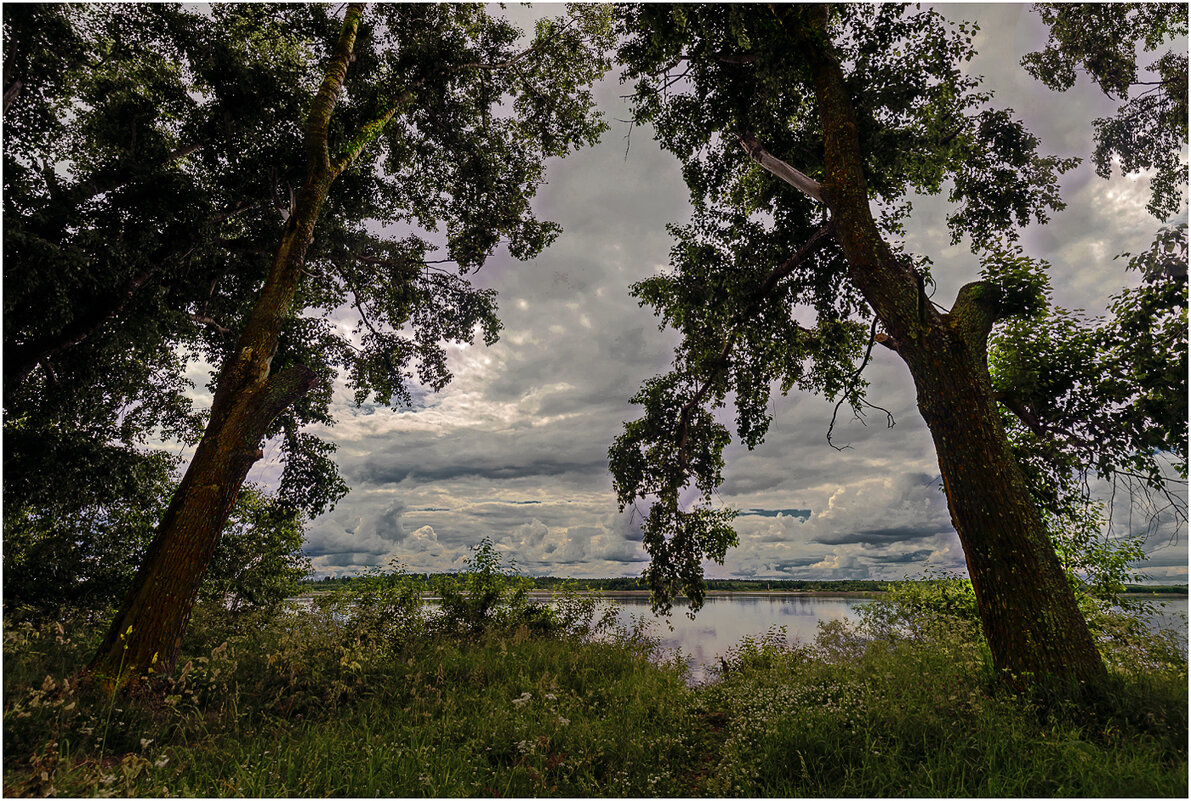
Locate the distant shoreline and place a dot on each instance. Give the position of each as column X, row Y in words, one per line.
column 734, row 593
column 614, row 594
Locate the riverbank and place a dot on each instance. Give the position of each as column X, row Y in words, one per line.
column 302, row 705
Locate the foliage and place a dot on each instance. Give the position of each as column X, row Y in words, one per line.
column 488, row 592
column 939, row 612
column 291, row 706
column 1149, row 130
column 379, row 607
column 75, row 554
column 1102, row 396
column 758, row 260
column 151, row 155
column 259, row 561
column 919, row 610
column 851, row 715
column 388, row 608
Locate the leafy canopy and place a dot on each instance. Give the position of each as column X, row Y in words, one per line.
column 1102, row 396
column 1149, row 130
column 151, row 155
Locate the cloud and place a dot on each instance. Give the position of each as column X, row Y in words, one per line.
column 515, row 448
column 799, row 513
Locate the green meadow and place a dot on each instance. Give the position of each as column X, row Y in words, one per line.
column 498, row 694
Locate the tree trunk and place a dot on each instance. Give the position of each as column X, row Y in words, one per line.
column 1027, row 609
column 146, row 634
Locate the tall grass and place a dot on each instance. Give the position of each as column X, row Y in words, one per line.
column 524, row 701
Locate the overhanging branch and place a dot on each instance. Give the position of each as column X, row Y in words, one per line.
column 772, row 164
column 816, row 240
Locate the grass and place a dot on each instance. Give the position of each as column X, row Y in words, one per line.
column 305, row 705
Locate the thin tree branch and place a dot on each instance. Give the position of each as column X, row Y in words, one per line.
column 800, row 181
column 848, row 385
column 358, row 303
column 524, row 53
column 210, row 322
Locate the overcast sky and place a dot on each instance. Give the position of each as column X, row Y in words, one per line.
column 516, row 447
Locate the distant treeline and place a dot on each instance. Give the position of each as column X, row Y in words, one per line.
column 1157, row 589
column 724, row 585
column 633, row 583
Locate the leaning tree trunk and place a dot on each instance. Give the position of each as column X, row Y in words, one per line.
column 146, row 634
column 1027, row 609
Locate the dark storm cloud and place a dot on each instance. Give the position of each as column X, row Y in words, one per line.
column 800, row 513
column 877, row 535
column 792, row 565
column 375, row 473
column 903, row 558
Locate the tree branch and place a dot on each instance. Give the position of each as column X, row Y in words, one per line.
column 83, row 192
column 10, row 94
column 318, row 154
column 816, row 240
column 370, row 130
column 281, row 390
column 757, row 152
column 26, row 356
column 209, row 321
column 523, row 54
column 872, row 340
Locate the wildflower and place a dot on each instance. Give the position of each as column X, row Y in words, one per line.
column 563, row 721
column 162, row 761
column 551, row 697
column 145, row 743
column 524, row 699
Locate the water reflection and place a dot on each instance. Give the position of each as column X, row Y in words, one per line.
column 724, row 620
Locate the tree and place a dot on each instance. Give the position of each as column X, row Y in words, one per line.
column 77, row 551
column 135, row 177
column 1149, row 130
column 791, row 124
column 465, row 121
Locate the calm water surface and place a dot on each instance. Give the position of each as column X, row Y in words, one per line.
column 724, row 620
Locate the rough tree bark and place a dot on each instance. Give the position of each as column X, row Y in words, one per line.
column 147, row 631
column 1028, row 611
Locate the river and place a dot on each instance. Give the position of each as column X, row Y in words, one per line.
column 725, row 619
